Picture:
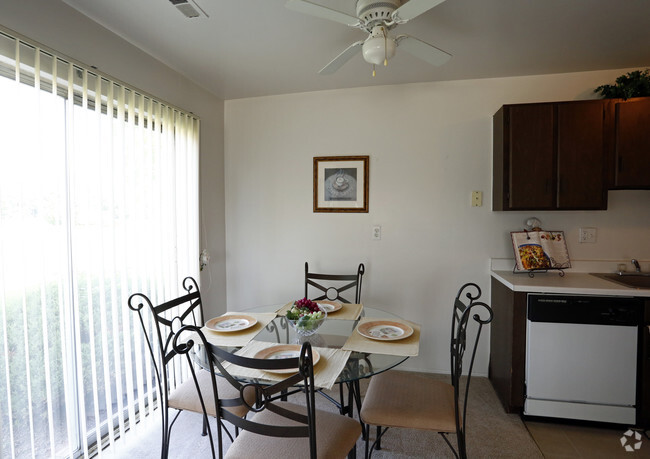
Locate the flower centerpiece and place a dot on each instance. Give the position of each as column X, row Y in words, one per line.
column 306, row 316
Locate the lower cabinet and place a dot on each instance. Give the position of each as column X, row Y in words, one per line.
column 507, row 369
column 644, row 369
column 508, row 346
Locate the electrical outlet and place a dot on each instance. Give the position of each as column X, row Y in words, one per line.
column 376, row 233
column 587, row 235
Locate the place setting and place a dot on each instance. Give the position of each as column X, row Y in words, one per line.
column 336, row 310
column 328, row 362
column 385, row 336
column 235, row 328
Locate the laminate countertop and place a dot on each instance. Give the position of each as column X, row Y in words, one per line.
column 577, row 283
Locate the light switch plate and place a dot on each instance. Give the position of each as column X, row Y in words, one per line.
column 477, row 198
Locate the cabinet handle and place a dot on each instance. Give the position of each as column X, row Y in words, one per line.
column 620, row 164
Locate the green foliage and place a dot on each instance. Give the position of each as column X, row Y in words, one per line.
column 632, row 84
column 37, row 308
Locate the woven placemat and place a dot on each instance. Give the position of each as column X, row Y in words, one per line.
column 409, row 346
column 348, row 311
column 326, row 371
column 239, row 338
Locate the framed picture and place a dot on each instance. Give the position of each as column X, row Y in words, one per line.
column 341, row 183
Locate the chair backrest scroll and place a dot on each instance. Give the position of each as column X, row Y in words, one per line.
column 165, row 321
column 460, row 320
column 259, row 397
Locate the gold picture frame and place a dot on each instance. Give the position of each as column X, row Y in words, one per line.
column 341, row 183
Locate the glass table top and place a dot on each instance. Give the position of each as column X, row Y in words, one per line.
column 332, row 334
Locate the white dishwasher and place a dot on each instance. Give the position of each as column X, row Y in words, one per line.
column 581, row 357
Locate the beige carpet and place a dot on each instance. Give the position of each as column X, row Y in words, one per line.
column 491, row 433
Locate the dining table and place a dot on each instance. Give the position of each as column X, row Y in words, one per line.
column 347, row 355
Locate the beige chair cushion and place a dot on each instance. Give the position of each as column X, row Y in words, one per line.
column 185, row 396
column 336, row 435
column 400, row 399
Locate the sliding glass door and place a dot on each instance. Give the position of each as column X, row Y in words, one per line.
column 98, row 199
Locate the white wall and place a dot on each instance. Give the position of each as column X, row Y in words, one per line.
column 63, row 29
column 430, row 145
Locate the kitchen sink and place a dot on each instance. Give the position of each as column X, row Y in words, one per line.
column 632, row 280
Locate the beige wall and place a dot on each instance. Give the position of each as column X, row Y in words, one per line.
column 63, row 29
column 430, row 146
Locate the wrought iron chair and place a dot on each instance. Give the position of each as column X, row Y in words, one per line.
column 334, row 284
column 396, row 399
column 279, row 429
column 329, row 287
column 159, row 327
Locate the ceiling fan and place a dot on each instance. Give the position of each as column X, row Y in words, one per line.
column 377, row 18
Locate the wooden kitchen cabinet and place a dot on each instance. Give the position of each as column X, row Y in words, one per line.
column 508, row 346
column 632, row 144
column 550, row 156
column 523, row 155
column 644, row 369
column 581, row 153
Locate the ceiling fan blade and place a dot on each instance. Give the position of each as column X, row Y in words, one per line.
column 341, row 59
column 413, row 8
column 422, row 50
column 322, row 12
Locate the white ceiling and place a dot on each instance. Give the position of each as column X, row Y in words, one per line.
column 248, row 48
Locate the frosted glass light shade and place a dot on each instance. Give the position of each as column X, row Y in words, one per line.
column 376, row 49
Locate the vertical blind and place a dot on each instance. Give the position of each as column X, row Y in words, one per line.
column 98, row 199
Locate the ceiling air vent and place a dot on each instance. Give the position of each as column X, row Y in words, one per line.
column 189, row 9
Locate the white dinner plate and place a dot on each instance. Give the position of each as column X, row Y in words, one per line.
column 231, row 323
column 384, row 330
column 284, row 351
column 329, row 306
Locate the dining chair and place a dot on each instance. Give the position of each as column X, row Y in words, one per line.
column 407, row 400
column 329, row 287
column 159, row 326
column 334, row 284
column 278, row 429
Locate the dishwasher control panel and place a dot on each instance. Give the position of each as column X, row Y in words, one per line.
column 595, row 310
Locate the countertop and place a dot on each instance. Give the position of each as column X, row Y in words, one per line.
column 579, row 283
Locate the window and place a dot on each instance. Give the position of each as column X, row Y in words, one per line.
column 98, row 199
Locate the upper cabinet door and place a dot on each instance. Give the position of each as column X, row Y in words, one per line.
column 632, row 144
column 581, row 155
column 551, row 156
column 530, row 155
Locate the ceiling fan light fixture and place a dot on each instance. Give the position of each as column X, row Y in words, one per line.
column 377, row 18
column 377, row 50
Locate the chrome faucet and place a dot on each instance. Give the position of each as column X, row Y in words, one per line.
column 636, row 265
